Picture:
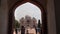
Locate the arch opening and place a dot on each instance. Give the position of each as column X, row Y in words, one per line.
column 28, row 15
column 11, row 24
column 27, row 9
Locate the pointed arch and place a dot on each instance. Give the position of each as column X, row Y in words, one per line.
column 11, row 15
column 30, row 8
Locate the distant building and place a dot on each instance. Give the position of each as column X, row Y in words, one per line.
column 28, row 22
column 30, row 25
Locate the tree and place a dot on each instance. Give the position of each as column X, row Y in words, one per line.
column 17, row 24
column 39, row 27
column 39, row 24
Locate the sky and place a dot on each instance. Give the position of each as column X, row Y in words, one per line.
column 27, row 9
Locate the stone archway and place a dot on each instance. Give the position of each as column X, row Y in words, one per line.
column 11, row 16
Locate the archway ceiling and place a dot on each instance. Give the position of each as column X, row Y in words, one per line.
column 12, row 2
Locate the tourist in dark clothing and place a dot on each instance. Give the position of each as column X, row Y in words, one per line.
column 22, row 30
column 16, row 31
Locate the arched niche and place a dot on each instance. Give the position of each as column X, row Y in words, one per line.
column 11, row 16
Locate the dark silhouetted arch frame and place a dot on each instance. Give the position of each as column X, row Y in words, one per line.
column 12, row 18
